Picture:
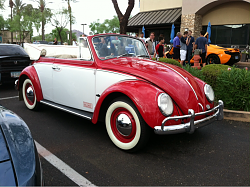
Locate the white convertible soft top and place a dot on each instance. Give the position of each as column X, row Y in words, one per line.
column 57, row 51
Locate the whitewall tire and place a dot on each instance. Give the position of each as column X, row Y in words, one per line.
column 125, row 126
column 29, row 95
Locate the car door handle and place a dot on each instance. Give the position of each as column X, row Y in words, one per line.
column 56, row 68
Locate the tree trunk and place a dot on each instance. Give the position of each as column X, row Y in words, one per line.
column 123, row 27
column 70, row 23
column 123, row 18
column 43, row 38
column 11, row 16
column 59, row 32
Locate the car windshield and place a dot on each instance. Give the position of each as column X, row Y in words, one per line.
column 12, row 50
column 119, row 46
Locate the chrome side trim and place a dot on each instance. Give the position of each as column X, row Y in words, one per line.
column 181, row 76
column 192, row 125
column 88, row 115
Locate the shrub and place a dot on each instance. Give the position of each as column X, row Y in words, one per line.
column 233, row 88
column 212, row 71
column 195, row 72
column 170, row 61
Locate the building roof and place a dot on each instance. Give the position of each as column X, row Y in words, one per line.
column 156, row 17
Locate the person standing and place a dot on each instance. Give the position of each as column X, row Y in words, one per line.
column 151, row 43
column 201, row 43
column 176, row 45
column 55, row 42
column 190, row 46
column 74, row 42
column 142, row 36
column 183, row 49
column 159, row 49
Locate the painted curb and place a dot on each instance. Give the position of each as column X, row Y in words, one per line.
column 236, row 115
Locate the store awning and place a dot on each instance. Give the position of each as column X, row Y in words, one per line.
column 156, row 17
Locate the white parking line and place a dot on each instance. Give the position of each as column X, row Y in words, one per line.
column 63, row 167
column 5, row 98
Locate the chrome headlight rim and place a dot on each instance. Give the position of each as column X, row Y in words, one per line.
column 171, row 105
column 208, row 88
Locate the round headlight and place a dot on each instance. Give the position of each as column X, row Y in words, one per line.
column 165, row 104
column 209, row 92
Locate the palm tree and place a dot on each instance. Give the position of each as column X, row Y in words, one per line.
column 42, row 7
column 11, row 4
column 18, row 8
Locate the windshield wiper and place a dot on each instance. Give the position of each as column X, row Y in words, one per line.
column 126, row 54
column 142, row 56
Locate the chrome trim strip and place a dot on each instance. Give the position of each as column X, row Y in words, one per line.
column 181, row 76
column 66, row 110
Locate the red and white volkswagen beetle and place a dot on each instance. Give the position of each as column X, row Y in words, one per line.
column 111, row 78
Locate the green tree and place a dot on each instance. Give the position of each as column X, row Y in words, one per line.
column 71, row 21
column 2, row 23
column 2, row 4
column 60, row 20
column 18, row 8
column 108, row 26
column 55, row 34
column 24, row 21
column 45, row 15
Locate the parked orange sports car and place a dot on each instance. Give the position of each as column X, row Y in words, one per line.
column 217, row 55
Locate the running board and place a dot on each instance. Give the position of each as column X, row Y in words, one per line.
column 83, row 114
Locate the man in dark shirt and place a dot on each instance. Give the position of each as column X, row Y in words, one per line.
column 190, row 46
column 55, row 42
column 201, row 43
column 176, row 45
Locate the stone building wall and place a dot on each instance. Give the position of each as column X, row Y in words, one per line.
column 6, row 36
column 192, row 22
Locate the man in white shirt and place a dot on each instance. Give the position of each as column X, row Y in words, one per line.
column 142, row 36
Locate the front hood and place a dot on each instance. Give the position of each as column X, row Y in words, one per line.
column 178, row 83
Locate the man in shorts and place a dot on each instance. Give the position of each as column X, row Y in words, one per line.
column 201, row 43
column 176, row 45
column 183, row 50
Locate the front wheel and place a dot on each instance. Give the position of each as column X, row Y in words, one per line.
column 29, row 95
column 125, row 126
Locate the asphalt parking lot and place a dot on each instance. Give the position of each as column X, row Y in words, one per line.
column 216, row 155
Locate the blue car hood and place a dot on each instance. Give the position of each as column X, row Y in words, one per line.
column 21, row 146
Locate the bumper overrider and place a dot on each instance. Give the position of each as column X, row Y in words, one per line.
column 192, row 125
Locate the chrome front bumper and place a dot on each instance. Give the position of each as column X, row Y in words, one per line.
column 192, row 125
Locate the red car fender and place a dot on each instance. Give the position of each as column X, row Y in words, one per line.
column 202, row 84
column 31, row 73
column 143, row 95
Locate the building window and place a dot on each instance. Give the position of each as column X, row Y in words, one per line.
column 227, row 35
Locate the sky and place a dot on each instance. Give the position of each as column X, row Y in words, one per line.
column 85, row 11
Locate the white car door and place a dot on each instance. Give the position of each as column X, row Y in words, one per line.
column 74, row 81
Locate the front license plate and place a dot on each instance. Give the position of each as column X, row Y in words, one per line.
column 15, row 74
column 236, row 57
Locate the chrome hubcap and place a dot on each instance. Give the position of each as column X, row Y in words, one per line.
column 30, row 93
column 124, row 124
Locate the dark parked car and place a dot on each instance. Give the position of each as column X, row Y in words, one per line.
column 19, row 161
column 13, row 59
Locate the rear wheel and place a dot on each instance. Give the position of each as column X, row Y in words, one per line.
column 29, row 95
column 213, row 59
column 125, row 126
